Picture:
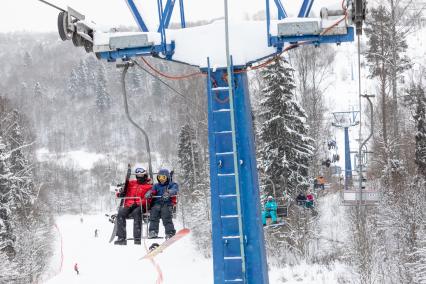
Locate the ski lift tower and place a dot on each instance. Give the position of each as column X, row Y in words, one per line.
column 224, row 51
column 346, row 119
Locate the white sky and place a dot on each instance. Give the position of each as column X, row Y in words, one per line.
column 32, row 15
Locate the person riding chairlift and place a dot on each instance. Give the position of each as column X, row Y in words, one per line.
column 132, row 206
column 309, row 200
column 162, row 204
column 270, row 211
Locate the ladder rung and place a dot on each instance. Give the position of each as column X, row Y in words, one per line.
column 234, row 280
column 230, row 237
column 222, row 110
column 232, row 257
column 220, row 89
column 223, row 132
column 227, row 195
column 225, row 175
column 229, row 216
column 224, row 153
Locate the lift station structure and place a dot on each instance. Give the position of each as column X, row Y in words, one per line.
column 224, row 53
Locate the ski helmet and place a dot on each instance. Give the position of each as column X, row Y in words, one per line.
column 138, row 170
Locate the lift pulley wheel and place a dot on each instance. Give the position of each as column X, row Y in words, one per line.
column 64, row 33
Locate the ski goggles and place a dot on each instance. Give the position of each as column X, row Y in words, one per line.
column 162, row 178
column 139, row 171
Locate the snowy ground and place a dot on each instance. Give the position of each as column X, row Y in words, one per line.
column 104, row 263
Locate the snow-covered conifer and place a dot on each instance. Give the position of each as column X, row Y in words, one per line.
column 286, row 149
column 103, row 98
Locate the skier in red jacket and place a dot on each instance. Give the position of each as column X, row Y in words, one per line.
column 132, row 206
column 76, row 268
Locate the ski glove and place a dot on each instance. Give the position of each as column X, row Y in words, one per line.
column 166, row 196
column 148, row 194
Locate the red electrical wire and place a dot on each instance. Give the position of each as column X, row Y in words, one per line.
column 62, row 250
column 199, row 73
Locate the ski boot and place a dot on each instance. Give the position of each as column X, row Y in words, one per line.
column 170, row 235
column 120, row 241
column 152, row 235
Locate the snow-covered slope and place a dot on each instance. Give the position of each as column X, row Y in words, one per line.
column 104, row 263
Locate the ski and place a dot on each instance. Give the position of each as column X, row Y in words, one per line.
column 113, row 219
column 156, row 248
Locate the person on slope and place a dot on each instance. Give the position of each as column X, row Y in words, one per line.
column 134, row 190
column 270, row 211
column 163, row 193
column 76, row 269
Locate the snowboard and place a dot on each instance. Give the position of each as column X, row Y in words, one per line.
column 113, row 219
column 160, row 248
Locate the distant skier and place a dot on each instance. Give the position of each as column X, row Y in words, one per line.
column 270, row 211
column 96, row 233
column 162, row 204
column 132, row 206
column 76, row 269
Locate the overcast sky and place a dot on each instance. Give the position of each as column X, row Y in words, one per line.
column 32, row 15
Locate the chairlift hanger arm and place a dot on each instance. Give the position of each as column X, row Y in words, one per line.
column 52, row 5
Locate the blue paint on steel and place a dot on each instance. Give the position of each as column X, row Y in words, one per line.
column 136, row 15
column 256, row 263
column 225, row 230
column 134, row 52
column 281, row 11
column 348, row 164
column 167, row 14
column 161, row 28
column 315, row 39
column 182, row 14
column 305, row 9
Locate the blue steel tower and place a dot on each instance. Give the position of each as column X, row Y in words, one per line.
column 238, row 242
column 346, row 119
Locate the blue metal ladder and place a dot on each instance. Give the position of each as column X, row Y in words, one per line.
column 225, row 175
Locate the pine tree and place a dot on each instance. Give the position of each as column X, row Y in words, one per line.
column 386, row 61
column 7, row 238
column 103, row 98
column 286, row 149
column 38, row 90
column 188, row 157
column 73, row 84
column 194, row 187
column 420, row 121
